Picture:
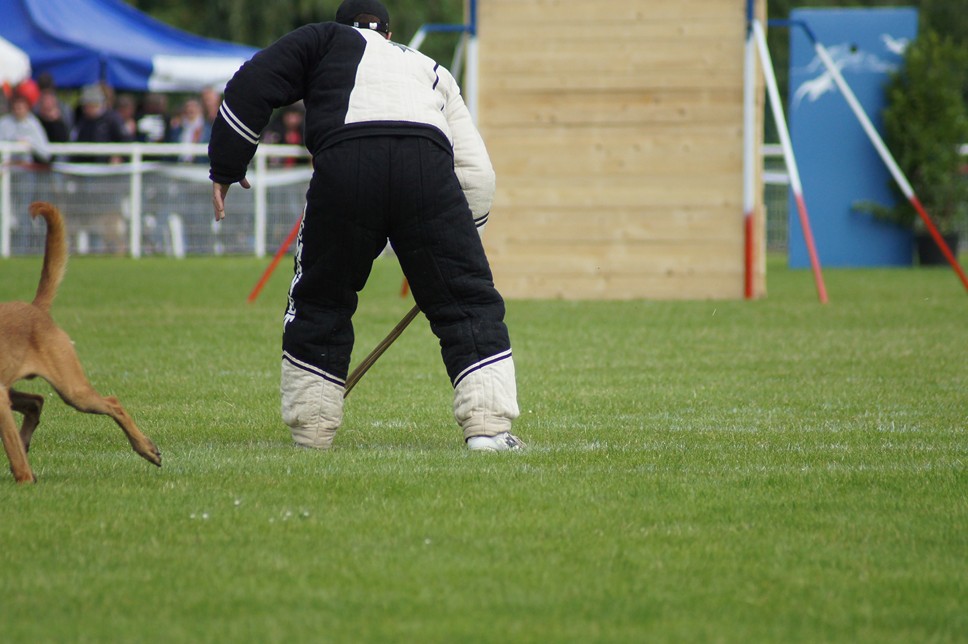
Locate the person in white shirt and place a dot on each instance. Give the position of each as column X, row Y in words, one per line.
column 23, row 126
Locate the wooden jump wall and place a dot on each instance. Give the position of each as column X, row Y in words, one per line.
column 616, row 130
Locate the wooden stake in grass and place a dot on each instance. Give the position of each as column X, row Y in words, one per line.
column 368, row 361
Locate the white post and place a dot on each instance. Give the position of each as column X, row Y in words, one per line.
column 470, row 76
column 749, row 126
column 418, row 39
column 176, row 230
column 460, row 52
column 749, row 168
column 137, row 174
column 261, row 176
column 777, row 107
column 6, row 206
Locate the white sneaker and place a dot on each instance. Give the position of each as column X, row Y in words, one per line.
column 500, row 443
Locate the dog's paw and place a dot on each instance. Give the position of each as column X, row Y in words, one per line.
column 29, row 478
column 150, row 453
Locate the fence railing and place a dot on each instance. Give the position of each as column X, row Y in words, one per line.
column 140, row 199
column 155, row 199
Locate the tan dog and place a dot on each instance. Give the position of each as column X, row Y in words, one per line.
column 32, row 345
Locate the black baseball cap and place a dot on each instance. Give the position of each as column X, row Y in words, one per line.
column 350, row 9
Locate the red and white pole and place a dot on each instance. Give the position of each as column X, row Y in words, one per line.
column 750, row 158
column 789, row 159
column 888, row 158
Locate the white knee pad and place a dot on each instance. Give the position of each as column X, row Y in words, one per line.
column 486, row 397
column 312, row 405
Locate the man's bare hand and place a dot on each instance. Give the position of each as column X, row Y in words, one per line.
column 219, row 190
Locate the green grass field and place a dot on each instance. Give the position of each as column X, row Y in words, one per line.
column 729, row 471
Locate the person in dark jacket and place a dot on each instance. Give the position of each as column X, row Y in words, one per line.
column 48, row 110
column 396, row 156
column 97, row 123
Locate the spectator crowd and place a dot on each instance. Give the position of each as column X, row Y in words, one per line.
column 38, row 113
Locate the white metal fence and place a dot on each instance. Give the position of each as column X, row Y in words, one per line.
column 156, row 200
column 152, row 200
column 142, row 199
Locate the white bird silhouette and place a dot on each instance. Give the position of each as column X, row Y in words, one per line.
column 895, row 45
column 846, row 57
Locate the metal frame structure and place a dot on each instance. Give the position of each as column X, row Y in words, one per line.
column 757, row 40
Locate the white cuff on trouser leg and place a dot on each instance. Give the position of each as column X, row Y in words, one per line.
column 486, row 398
column 312, row 406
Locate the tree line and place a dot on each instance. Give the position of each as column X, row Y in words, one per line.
column 261, row 22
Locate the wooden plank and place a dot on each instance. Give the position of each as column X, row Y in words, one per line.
column 609, row 191
column 720, row 285
column 542, row 14
column 596, row 55
column 615, row 226
column 504, row 266
column 569, row 169
column 534, row 156
column 653, row 32
column 560, row 268
column 614, row 53
column 555, row 108
column 649, row 34
column 616, row 133
column 495, row 80
column 574, row 161
column 686, row 215
column 686, row 141
column 622, row 254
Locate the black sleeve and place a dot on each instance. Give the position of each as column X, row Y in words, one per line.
column 273, row 78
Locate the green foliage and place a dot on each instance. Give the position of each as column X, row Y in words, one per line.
column 770, row 471
column 259, row 23
column 948, row 19
column 925, row 123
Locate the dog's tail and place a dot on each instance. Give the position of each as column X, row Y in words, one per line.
column 55, row 254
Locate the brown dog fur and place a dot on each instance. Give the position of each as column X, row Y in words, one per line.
column 32, row 345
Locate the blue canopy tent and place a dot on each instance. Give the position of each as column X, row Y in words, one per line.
column 85, row 41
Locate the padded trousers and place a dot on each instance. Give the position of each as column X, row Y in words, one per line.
column 364, row 191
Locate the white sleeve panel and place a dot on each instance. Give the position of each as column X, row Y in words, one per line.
column 394, row 83
column 471, row 161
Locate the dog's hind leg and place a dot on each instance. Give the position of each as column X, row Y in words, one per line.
column 16, row 453
column 30, row 405
column 63, row 371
